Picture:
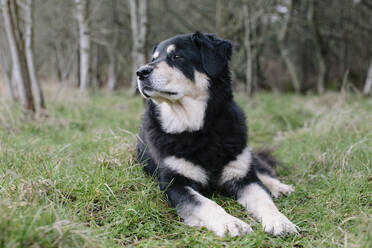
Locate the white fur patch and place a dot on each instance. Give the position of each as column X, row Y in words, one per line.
column 238, row 168
column 187, row 169
column 139, row 87
column 187, row 115
column 276, row 187
column 210, row 215
column 171, row 48
column 257, row 202
column 155, row 55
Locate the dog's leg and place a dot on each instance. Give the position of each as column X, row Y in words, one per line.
column 240, row 179
column 264, row 164
column 197, row 210
column 258, row 202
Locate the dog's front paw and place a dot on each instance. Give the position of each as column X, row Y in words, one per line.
column 221, row 224
column 278, row 224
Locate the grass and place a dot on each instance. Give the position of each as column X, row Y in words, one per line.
column 71, row 180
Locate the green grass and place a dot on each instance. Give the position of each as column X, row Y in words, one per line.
column 71, row 180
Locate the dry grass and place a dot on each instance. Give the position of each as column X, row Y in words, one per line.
column 71, row 180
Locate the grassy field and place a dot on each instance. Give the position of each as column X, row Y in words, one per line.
column 71, row 180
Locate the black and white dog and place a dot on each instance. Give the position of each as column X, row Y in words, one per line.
column 194, row 138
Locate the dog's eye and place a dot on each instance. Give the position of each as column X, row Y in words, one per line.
column 176, row 57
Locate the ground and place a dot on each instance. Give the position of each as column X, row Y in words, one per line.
column 71, row 180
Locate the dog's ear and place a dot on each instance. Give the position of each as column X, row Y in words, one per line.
column 215, row 52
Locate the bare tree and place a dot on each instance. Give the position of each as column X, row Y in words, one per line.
column 5, row 71
column 368, row 85
column 318, row 48
column 139, row 31
column 285, row 51
column 82, row 7
column 308, row 44
column 5, row 66
column 112, row 69
column 29, row 32
column 248, row 51
column 16, row 44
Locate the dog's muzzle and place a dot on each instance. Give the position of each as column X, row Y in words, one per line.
column 143, row 74
column 145, row 85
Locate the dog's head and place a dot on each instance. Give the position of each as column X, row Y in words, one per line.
column 182, row 66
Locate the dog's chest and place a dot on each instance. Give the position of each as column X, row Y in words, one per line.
column 207, row 150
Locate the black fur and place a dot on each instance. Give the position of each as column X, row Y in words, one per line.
column 222, row 137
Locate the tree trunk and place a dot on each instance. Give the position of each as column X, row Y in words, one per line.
column 133, row 22
column 142, row 31
column 16, row 45
column 248, row 51
column 368, row 85
column 139, row 38
column 77, row 70
column 4, row 69
column 112, row 74
column 285, row 52
column 318, row 50
column 94, row 75
column 322, row 71
column 38, row 94
column 112, row 70
column 82, row 7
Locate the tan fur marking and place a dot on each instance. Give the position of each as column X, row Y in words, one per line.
column 238, row 168
column 171, row 48
column 156, row 55
column 187, row 169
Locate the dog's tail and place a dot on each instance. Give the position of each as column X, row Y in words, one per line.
column 264, row 162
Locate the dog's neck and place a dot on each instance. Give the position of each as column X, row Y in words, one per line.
column 184, row 115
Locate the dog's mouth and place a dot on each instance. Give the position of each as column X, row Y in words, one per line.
column 149, row 91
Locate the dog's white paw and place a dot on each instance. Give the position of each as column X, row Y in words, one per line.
column 281, row 189
column 278, row 224
column 210, row 215
column 220, row 224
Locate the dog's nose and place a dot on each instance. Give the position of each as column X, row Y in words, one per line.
column 144, row 71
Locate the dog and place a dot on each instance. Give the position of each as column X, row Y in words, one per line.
column 193, row 138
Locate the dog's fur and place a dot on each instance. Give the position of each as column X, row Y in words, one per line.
column 194, row 138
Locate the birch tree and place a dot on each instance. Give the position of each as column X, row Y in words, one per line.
column 16, row 45
column 5, row 71
column 111, row 48
column 5, row 66
column 139, row 31
column 29, row 32
column 82, row 7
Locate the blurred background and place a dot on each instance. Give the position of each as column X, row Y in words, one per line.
column 307, row 46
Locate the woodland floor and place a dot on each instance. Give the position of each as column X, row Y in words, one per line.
column 71, row 180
